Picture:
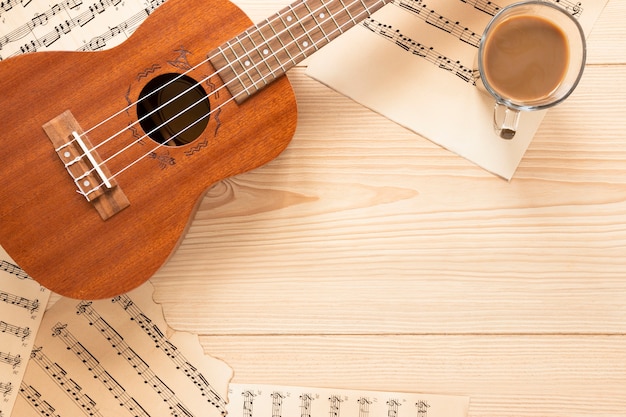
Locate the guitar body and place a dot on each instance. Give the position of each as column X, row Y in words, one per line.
column 52, row 231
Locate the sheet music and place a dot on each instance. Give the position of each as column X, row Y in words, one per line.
column 22, row 304
column 116, row 357
column 413, row 62
column 84, row 25
column 247, row 400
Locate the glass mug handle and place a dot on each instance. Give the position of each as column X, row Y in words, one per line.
column 505, row 120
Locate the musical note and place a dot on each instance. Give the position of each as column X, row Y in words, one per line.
column 20, row 313
column 5, row 6
column 305, row 405
column 63, row 18
column 35, row 400
column 93, row 365
column 182, row 364
column 38, row 20
column 21, row 332
column 431, row 17
column 440, row 22
column 392, row 407
column 410, row 5
column 125, row 351
column 248, row 403
column 5, row 388
column 277, row 404
column 335, row 405
column 126, row 27
column 248, row 400
column 484, row 6
column 575, row 9
column 491, row 8
column 67, row 384
column 422, row 408
column 364, row 406
column 13, row 360
column 18, row 301
column 8, row 266
column 112, row 336
column 463, row 72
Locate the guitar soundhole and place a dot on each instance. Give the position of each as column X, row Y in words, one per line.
column 173, row 109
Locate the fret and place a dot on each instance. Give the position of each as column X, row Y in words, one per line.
column 367, row 9
column 347, row 10
column 287, row 23
column 258, row 50
column 340, row 15
column 279, row 50
column 224, row 59
column 266, row 51
column 318, row 17
column 332, row 21
column 248, row 59
column 302, row 28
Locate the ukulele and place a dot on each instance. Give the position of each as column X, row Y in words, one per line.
column 105, row 155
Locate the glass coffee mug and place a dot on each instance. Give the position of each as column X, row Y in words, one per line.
column 530, row 57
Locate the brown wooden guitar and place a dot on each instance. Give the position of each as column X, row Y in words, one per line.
column 104, row 155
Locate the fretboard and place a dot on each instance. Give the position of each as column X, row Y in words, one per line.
column 267, row 50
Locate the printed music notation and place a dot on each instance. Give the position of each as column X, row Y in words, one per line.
column 413, row 61
column 60, row 377
column 427, row 52
column 21, row 300
column 13, row 361
column 111, row 357
column 450, row 26
column 34, row 398
column 21, row 332
column 32, row 25
column 116, row 356
column 160, row 341
column 29, row 304
column 247, row 400
column 13, row 269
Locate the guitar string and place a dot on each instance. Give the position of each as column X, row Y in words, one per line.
column 248, row 34
column 130, row 105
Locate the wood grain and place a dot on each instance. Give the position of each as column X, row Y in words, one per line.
column 506, row 376
column 398, row 235
column 46, row 222
column 367, row 257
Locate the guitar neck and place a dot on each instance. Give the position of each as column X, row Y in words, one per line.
column 267, row 50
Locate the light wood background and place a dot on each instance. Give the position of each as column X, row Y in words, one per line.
column 367, row 257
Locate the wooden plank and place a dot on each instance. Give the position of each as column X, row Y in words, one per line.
column 516, row 376
column 360, row 232
column 606, row 44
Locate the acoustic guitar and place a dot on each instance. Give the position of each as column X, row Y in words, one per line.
column 105, row 155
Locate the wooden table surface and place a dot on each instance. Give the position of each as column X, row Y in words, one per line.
column 368, row 257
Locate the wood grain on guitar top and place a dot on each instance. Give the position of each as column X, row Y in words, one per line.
column 54, row 232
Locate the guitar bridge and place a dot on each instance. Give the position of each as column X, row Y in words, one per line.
column 85, row 167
